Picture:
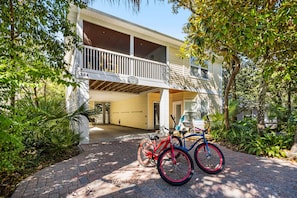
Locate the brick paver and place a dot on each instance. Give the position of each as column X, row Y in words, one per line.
column 110, row 169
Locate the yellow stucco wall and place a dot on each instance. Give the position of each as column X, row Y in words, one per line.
column 214, row 101
column 130, row 112
column 152, row 98
column 181, row 97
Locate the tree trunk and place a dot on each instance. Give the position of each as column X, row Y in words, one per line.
column 289, row 106
column 231, row 80
column 12, row 38
column 36, row 96
column 234, row 98
column 44, row 91
column 261, row 107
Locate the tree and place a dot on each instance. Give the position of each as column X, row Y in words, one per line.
column 32, row 44
column 259, row 30
column 135, row 4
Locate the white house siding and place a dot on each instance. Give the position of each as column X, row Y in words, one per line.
column 175, row 57
column 138, row 111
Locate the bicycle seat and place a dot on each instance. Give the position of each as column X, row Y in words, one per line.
column 183, row 132
column 155, row 137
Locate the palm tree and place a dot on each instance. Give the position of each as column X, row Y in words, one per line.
column 134, row 3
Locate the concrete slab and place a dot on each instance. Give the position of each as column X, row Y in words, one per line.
column 115, row 132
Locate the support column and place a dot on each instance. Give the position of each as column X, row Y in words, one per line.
column 104, row 112
column 164, row 110
column 83, row 97
column 131, row 55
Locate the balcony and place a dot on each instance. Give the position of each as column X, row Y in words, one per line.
column 100, row 60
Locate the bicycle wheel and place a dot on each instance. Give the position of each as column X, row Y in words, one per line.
column 177, row 171
column 211, row 162
column 145, row 152
column 176, row 141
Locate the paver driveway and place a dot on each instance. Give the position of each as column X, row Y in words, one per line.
column 110, row 169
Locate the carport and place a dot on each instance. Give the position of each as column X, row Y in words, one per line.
column 110, row 132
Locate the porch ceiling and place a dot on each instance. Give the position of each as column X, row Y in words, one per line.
column 118, row 87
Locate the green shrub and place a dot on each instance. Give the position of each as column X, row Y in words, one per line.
column 10, row 148
column 244, row 137
column 10, row 144
column 270, row 144
column 50, row 127
column 30, row 131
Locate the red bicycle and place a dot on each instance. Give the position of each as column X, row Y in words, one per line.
column 174, row 164
column 150, row 148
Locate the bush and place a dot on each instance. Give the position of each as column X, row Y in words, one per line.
column 33, row 136
column 243, row 136
column 11, row 144
column 49, row 129
column 270, row 144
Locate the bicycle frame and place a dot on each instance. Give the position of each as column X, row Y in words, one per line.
column 159, row 147
column 202, row 135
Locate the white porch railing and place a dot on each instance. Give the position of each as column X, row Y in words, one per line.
column 108, row 61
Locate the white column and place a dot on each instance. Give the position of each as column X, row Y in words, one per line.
column 79, row 26
column 164, row 110
column 131, row 45
column 83, row 97
column 131, row 55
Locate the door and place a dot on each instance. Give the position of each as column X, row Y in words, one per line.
column 156, row 115
column 177, row 111
column 102, row 113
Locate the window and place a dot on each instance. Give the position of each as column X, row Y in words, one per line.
column 197, row 70
column 191, row 110
column 196, row 109
column 148, row 50
column 204, row 108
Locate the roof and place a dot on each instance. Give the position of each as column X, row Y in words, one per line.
column 115, row 21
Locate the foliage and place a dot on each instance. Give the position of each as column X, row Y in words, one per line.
column 34, row 135
column 10, row 144
column 264, row 32
column 243, row 136
column 271, row 144
column 32, row 44
column 50, row 126
column 252, row 28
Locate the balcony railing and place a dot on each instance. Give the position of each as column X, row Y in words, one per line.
column 108, row 61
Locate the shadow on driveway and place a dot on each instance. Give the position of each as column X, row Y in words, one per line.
column 115, row 132
column 110, row 169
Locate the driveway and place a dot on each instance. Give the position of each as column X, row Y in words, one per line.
column 110, row 169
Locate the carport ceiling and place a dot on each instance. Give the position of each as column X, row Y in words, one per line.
column 118, row 87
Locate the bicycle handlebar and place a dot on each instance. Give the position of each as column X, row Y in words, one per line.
column 170, row 131
column 196, row 128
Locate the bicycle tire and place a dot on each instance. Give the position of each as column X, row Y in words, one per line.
column 145, row 147
column 178, row 173
column 176, row 141
column 211, row 164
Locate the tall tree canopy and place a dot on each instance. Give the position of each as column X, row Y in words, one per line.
column 262, row 31
column 32, row 43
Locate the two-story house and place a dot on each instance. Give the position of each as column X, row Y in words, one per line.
column 133, row 76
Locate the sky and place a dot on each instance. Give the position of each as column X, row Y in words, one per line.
column 154, row 15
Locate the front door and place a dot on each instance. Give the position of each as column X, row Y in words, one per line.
column 156, row 115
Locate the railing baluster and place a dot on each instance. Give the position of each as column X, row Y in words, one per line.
column 107, row 61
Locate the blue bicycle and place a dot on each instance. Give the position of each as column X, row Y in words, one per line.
column 208, row 156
